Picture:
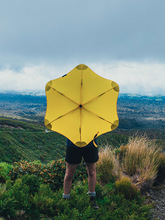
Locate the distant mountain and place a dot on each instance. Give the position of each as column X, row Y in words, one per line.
column 135, row 111
column 25, row 98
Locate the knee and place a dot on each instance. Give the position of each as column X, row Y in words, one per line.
column 91, row 172
column 69, row 175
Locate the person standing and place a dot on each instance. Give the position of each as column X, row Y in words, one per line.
column 74, row 157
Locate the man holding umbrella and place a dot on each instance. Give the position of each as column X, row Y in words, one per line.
column 81, row 105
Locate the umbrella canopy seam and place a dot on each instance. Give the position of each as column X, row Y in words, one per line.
column 98, row 96
column 64, row 96
column 98, row 116
column 63, row 115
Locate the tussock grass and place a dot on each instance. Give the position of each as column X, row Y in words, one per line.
column 140, row 160
column 107, row 165
column 126, row 187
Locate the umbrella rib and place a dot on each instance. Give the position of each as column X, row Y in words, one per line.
column 98, row 116
column 64, row 115
column 97, row 96
column 80, row 124
column 81, row 103
column 65, row 96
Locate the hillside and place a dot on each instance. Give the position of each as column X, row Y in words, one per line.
column 24, row 141
column 21, row 140
column 23, row 135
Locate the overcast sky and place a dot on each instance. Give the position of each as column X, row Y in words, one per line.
column 122, row 40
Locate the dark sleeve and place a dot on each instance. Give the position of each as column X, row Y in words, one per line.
column 69, row 143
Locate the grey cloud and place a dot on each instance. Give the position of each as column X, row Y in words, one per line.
column 50, row 31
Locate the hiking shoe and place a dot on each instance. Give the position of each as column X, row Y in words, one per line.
column 93, row 202
column 65, row 196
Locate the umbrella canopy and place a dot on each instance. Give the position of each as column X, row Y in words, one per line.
column 81, row 105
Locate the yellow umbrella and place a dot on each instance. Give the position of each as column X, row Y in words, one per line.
column 81, row 105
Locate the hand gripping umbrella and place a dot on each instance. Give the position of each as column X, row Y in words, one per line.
column 81, row 105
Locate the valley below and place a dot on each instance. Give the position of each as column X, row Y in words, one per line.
column 135, row 112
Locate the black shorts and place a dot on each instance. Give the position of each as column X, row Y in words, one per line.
column 75, row 154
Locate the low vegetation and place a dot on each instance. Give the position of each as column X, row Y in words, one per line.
column 126, row 187
column 31, row 183
column 51, row 173
column 33, row 190
column 29, row 198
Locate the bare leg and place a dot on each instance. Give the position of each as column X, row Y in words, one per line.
column 69, row 173
column 91, row 169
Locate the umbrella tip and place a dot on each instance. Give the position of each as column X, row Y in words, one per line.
column 48, row 86
column 114, row 125
column 81, row 67
column 115, row 86
column 47, row 124
column 80, row 144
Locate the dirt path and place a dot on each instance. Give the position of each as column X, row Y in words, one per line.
column 157, row 197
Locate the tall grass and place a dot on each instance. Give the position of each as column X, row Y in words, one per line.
column 141, row 160
column 107, row 165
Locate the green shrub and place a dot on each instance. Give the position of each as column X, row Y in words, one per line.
column 45, row 200
column 13, row 198
column 20, row 192
column 7, row 206
column 20, row 197
column 17, row 203
column 5, row 168
column 52, row 173
column 36, row 162
column 124, row 186
column 32, row 182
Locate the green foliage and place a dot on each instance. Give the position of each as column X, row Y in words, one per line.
column 24, row 141
column 51, row 173
column 33, row 190
column 5, row 168
column 32, row 198
column 7, row 206
column 32, row 182
column 124, row 186
column 113, row 138
column 20, row 192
